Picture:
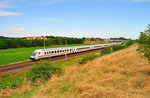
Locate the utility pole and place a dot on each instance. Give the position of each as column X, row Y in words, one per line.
column 44, row 41
column 66, row 50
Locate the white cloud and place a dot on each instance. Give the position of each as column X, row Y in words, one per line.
column 5, row 4
column 7, row 13
column 51, row 19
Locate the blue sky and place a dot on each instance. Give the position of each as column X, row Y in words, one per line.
column 74, row 18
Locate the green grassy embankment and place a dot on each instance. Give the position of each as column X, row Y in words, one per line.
column 121, row 74
column 8, row 56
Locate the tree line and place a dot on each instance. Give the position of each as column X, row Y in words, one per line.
column 120, row 38
column 9, row 42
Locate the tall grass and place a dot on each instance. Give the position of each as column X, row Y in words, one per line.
column 10, row 82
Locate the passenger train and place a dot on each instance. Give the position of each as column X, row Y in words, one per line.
column 51, row 52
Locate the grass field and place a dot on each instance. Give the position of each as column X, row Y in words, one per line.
column 8, row 56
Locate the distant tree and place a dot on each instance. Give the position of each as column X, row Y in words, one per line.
column 3, row 45
column 10, row 42
column 2, row 37
column 50, row 37
column 92, row 39
column 83, row 38
column 143, row 38
column 100, row 39
column 120, row 38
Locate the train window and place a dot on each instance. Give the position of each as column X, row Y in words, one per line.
column 45, row 53
column 34, row 53
column 49, row 52
column 83, row 48
column 57, row 51
column 67, row 49
column 70, row 49
column 96, row 46
column 39, row 52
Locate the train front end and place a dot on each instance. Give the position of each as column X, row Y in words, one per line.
column 35, row 54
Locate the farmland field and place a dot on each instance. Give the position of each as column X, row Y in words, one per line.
column 8, row 56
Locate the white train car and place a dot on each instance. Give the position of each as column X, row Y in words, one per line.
column 50, row 52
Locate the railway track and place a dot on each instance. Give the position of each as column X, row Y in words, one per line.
column 17, row 67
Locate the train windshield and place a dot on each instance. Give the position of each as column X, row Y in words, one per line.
column 34, row 53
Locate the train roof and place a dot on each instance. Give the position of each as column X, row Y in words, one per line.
column 73, row 47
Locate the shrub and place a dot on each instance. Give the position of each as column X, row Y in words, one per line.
column 109, row 50
column 88, row 58
column 146, row 50
column 144, row 43
column 130, row 43
column 42, row 71
column 106, row 50
column 118, row 47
